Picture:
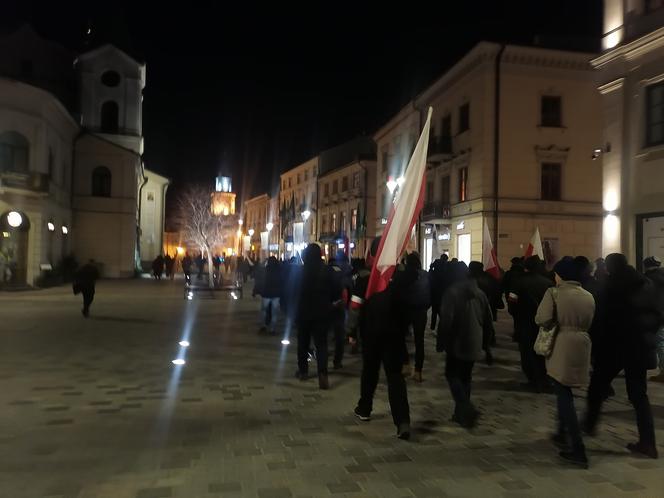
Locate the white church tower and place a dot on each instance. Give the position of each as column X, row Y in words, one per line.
column 108, row 172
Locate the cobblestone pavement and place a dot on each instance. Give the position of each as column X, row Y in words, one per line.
column 94, row 408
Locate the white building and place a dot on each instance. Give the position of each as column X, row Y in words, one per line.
column 631, row 84
column 512, row 137
column 71, row 162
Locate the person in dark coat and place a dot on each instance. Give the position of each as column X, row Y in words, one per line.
column 655, row 273
column 342, row 272
column 383, row 342
column 526, row 295
column 489, row 285
column 158, row 267
column 270, row 293
column 464, row 333
column 84, row 282
column 437, row 284
column 628, row 320
column 318, row 295
column 418, row 300
column 187, row 264
column 200, row 264
column 510, row 280
column 169, row 264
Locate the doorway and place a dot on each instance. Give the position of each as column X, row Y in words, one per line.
column 464, row 252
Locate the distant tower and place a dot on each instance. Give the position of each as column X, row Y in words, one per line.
column 223, row 199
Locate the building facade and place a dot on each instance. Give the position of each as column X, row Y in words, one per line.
column 257, row 218
column 511, row 146
column 630, row 75
column 70, row 159
column 347, row 207
column 298, row 200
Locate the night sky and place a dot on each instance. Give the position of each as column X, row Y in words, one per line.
column 253, row 90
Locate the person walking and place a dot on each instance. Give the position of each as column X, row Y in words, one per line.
column 510, row 279
column 437, row 284
column 84, row 282
column 158, row 266
column 187, row 264
column 169, row 263
column 464, row 333
column 383, row 342
column 271, row 290
column 342, row 273
column 317, row 296
column 526, row 294
column 655, row 273
column 417, row 302
column 570, row 308
column 628, row 318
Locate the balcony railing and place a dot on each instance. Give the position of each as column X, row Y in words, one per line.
column 33, row 181
column 439, row 146
column 433, row 210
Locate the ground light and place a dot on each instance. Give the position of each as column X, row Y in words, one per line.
column 184, row 344
column 178, row 361
column 233, row 295
column 285, row 342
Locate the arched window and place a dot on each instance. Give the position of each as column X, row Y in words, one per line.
column 109, row 117
column 101, row 181
column 14, row 149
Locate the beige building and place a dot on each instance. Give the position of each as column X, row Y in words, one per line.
column 297, row 207
column 259, row 220
column 152, row 216
column 630, row 75
column 395, row 142
column 347, row 207
column 526, row 117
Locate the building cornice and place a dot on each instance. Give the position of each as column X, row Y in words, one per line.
column 611, row 86
column 632, row 50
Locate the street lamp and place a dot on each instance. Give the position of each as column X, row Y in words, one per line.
column 305, row 214
column 250, row 232
column 269, row 226
column 391, row 185
column 239, row 222
column 14, row 219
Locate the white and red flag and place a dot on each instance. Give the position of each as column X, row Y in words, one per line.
column 403, row 215
column 489, row 254
column 535, row 246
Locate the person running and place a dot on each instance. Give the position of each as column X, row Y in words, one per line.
column 570, row 308
column 84, row 282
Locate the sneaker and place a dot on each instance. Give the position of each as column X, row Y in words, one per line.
column 363, row 416
column 403, row 432
column 577, row 458
column 643, row 449
column 323, row 382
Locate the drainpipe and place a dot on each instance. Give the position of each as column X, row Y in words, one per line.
column 496, row 147
column 137, row 263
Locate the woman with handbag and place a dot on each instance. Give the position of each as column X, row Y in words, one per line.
column 565, row 315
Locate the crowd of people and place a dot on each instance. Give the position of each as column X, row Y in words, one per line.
column 238, row 268
column 600, row 319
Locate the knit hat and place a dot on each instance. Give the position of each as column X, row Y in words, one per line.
column 651, row 262
column 568, row 269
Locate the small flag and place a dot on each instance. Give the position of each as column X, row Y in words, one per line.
column 489, row 254
column 403, row 215
column 535, row 246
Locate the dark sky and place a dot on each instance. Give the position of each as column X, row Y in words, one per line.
column 254, row 89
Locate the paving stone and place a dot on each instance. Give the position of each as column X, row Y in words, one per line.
column 162, row 492
column 343, row 487
column 274, row 493
column 224, row 487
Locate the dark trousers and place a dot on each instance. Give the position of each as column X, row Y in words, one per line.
column 459, row 375
column 532, row 364
column 88, row 297
column 339, row 330
column 388, row 350
column 568, row 422
column 316, row 330
column 418, row 319
column 435, row 311
column 607, row 367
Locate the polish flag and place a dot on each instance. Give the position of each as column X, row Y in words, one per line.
column 403, row 216
column 489, row 254
column 535, row 246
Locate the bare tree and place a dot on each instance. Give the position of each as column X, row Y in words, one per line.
column 200, row 226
